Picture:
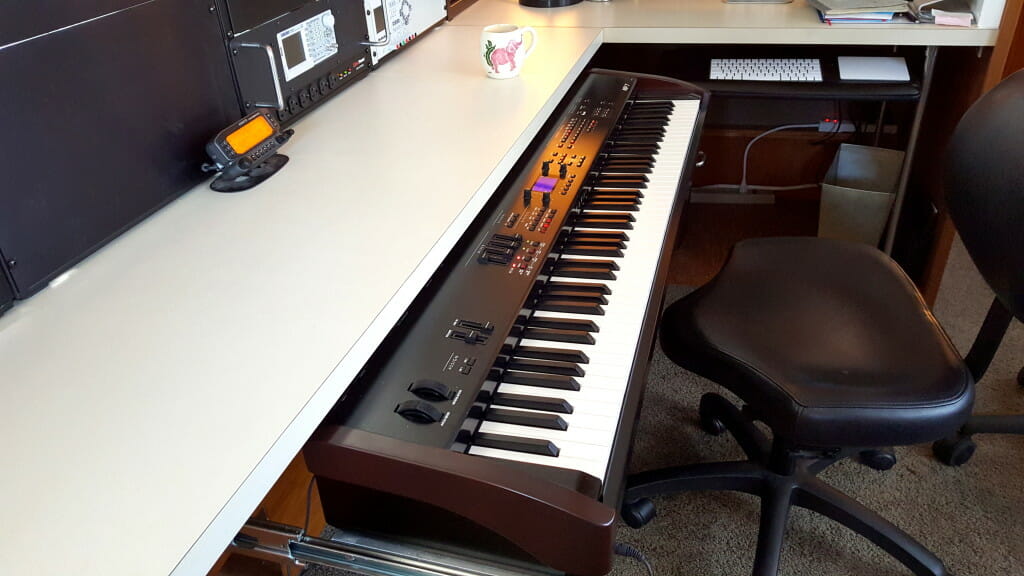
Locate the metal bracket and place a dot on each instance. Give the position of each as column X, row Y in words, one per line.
column 268, row 541
column 368, row 555
column 269, row 51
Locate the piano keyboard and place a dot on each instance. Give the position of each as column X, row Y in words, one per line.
column 586, row 442
column 508, row 395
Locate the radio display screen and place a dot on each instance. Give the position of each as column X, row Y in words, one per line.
column 294, row 52
column 378, row 18
column 254, row 132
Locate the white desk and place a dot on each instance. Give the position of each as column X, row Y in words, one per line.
column 714, row 22
column 149, row 401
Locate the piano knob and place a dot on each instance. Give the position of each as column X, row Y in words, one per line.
column 527, row 193
column 545, row 167
column 563, row 170
column 432, row 390
column 546, row 199
column 419, row 412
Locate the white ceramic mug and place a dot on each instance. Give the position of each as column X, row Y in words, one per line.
column 502, row 49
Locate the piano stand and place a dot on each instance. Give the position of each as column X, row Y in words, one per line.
column 471, row 489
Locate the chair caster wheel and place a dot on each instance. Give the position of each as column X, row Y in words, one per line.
column 708, row 421
column 638, row 512
column 954, row 451
column 881, row 459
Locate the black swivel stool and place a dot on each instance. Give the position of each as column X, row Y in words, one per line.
column 831, row 346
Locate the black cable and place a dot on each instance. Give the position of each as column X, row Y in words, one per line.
column 309, row 503
column 630, row 551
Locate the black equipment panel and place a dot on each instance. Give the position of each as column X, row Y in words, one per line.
column 6, row 292
column 246, row 14
column 252, row 30
column 107, row 122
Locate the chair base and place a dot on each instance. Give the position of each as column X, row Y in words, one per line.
column 956, row 450
column 783, row 477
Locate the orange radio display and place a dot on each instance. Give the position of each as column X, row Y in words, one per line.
column 249, row 135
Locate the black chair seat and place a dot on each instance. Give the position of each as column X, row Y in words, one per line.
column 829, row 341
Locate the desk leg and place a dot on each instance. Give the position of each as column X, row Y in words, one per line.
column 926, row 82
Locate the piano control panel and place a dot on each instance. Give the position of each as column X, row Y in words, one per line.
column 431, row 380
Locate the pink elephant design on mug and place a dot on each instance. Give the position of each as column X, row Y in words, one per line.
column 506, row 55
column 504, row 48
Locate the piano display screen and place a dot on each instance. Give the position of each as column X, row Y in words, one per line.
column 545, row 184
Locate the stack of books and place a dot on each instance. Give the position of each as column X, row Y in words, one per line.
column 858, row 11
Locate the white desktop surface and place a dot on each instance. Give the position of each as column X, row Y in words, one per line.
column 715, row 22
column 149, row 401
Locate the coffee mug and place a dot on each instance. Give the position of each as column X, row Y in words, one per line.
column 502, row 51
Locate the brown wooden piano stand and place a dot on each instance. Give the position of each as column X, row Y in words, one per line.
column 372, row 483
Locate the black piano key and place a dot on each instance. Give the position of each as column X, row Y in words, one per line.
column 542, row 403
column 647, row 120
column 591, row 264
column 553, row 381
column 627, row 132
column 572, row 335
column 573, row 296
column 638, row 120
column 591, row 235
column 642, row 138
column 603, row 221
column 570, row 307
column 613, row 181
column 590, row 250
column 614, row 194
column 545, row 367
column 560, row 354
column 637, row 180
column 655, row 111
column 660, row 117
column 633, row 158
column 606, row 169
column 584, row 217
column 557, row 286
column 643, row 144
column 630, row 206
column 660, row 104
column 624, row 164
column 571, row 324
column 591, row 273
column 634, row 148
column 597, row 241
column 648, row 106
column 516, row 444
column 535, row 419
column 607, row 225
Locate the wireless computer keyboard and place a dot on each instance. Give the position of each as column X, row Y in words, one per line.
column 766, row 69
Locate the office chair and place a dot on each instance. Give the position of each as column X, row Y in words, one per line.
column 830, row 345
column 985, row 194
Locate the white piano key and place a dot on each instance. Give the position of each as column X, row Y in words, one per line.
column 586, row 445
